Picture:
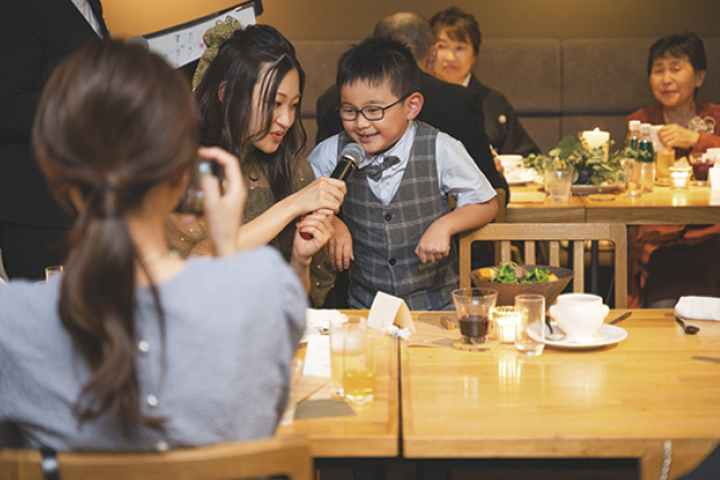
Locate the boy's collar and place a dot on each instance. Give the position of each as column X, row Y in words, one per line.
column 401, row 149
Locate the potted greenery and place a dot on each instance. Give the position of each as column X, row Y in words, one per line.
column 591, row 168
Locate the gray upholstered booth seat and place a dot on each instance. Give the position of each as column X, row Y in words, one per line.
column 558, row 87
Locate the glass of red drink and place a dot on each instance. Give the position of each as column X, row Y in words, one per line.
column 701, row 164
column 473, row 306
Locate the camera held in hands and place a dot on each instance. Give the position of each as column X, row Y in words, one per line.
column 192, row 200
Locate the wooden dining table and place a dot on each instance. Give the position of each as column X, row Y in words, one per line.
column 648, row 398
column 698, row 205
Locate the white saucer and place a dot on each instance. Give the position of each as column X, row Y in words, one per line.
column 520, row 176
column 606, row 335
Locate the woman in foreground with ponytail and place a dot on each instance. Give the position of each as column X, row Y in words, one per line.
column 134, row 348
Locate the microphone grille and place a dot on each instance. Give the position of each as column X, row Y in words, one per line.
column 354, row 153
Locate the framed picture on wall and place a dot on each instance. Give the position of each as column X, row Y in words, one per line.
column 182, row 45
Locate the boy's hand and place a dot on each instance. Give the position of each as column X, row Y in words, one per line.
column 340, row 246
column 434, row 245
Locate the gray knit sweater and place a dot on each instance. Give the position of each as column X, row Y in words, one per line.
column 233, row 325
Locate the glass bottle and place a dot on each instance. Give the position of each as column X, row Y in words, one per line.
column 634, row 139
column 645, row 160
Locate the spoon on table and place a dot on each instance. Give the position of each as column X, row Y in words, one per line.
column 553, row 337
column 689, row 329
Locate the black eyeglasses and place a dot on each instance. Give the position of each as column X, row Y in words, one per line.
column 372, row 113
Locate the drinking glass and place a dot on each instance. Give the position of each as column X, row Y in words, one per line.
column 53, row 270
column 559, row 184
column 632, row 174
column 289, row 414
column 473, row 306
column 337, row 336
column 358, row 380
column 528, row 344
column 664, row 159
column 701, row 164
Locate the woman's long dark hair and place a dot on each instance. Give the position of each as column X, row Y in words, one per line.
column 259, row 53
column 113, row 122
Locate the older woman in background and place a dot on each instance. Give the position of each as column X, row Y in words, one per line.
column 670, row 261
column 458, row 43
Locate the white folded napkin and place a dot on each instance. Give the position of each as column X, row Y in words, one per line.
column 698, row 308
column 318, row 321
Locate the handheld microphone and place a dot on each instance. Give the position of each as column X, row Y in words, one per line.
column 351, row 156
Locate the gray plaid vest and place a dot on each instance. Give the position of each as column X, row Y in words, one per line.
column 385, row 237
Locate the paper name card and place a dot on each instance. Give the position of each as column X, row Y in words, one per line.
column 387, row 310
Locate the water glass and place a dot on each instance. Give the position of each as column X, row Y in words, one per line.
column 473, row 306
column 527, row 343
column 558, row 184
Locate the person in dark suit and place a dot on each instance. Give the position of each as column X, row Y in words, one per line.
column 452, row 109
column 35, row 35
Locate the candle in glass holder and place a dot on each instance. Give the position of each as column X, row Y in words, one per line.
column 597, row 139
column 680, row 177
column 506, row 318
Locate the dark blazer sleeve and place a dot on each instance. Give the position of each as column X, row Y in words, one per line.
column 328, row 120
column 478, row 146
column 35, row 35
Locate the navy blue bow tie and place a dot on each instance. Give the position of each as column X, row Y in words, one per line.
column 375, row 171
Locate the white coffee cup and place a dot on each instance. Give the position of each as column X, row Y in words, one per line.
column 579, row 315
column 511, row 162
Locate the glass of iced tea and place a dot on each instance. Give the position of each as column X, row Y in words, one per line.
column 358, row 379
column 473, row 306
column 664, row 159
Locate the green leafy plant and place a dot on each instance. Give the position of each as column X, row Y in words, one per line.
column 513, row 273
column 589, row 164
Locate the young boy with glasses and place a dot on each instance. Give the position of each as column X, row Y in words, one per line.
column 397, row 221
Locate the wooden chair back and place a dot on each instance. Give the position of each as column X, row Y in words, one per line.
column 554, row 233
column 261, row 458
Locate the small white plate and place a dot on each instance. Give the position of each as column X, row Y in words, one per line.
column 606, row 335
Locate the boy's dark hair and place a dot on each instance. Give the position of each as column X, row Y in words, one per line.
column 678, row 45
column 460, row 26
column 377, row 59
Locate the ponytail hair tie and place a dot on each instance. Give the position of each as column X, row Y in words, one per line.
column 106, row 198
column 213, row 38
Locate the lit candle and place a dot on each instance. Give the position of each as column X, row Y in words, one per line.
column 680, row 177
column 596, row 138
column 505, row 319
